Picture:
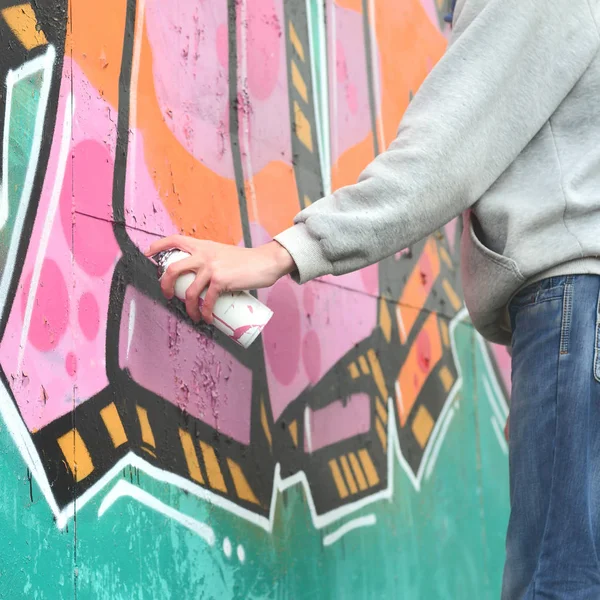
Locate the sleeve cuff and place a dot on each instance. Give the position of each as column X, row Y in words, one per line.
column 307, row 253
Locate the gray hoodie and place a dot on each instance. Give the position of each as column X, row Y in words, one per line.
column 505, row 129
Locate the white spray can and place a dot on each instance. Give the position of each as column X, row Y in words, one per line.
column 239, row 315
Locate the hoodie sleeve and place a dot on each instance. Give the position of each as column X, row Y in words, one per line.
column 508, row 67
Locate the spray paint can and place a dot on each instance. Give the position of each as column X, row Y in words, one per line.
column 239, row 315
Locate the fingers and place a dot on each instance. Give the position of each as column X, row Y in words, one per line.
column 174, row 270
column 192, row 295
column 172, row 241
column 214, row 291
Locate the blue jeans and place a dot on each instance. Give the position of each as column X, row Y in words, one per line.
column 554, row 440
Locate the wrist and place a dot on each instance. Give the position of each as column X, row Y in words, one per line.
column 282, row 260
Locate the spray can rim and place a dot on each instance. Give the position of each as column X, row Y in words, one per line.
column 163, row 259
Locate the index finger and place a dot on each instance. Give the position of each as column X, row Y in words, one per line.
column 169, row 242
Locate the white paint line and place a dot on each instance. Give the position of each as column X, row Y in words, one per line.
column 320, row 101
column 439, row 442
column 307, row 430
column 499, row 435
column 401, row 326
column 245, row 116
column 48, row 222
column 131, row 325
column 376, row 78
column 124, row 489
column 366, row 521
column 43, row 63
column 332, row 81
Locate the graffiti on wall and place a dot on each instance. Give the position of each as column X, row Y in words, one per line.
column 132, row 119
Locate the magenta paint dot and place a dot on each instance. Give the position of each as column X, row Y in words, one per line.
column 71, row 364
column 424, row 351
column 282, row 336
column 87, row 189
column 311, row 356
column 265, row 41
column 50, row 315
column 89, row 316
column 370, row 279
column 309, row 298
column 223, row 45
column 95, row 247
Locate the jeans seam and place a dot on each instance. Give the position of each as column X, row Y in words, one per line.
column 565, row 328
column 597, row 343
column 552, row 482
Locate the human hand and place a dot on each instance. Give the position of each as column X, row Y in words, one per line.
column 220, row 268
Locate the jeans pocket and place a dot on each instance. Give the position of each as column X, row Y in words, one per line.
column 531, row 300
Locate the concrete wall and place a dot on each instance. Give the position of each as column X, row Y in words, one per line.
column 356, row 450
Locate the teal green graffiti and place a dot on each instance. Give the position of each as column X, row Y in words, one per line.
column 442, row 542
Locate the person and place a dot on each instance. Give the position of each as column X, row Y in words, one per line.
column 505, row 130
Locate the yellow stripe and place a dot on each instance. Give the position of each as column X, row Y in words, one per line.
column 360, row 478
column 377, row 373
column 307, row 200
column 298, row 82
column 113, row 425
column 368, row 467
column 385, row 320
column 147, row 435
column 213, row 471
column 23, row 22
column 445, row 336
column 447, row 378
column 354, row 372
column 454, row 299
column 381, row 409
column 364, row 367
column 242, row 487
column 191, row 458
column 337, row 477
column 293, row 427
column 381, row 433
column 76, row 454
column 265, row 423
column 445, row 257
column 348, row 475
column 303, row 129
column 296, row 41
column 422, row 426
